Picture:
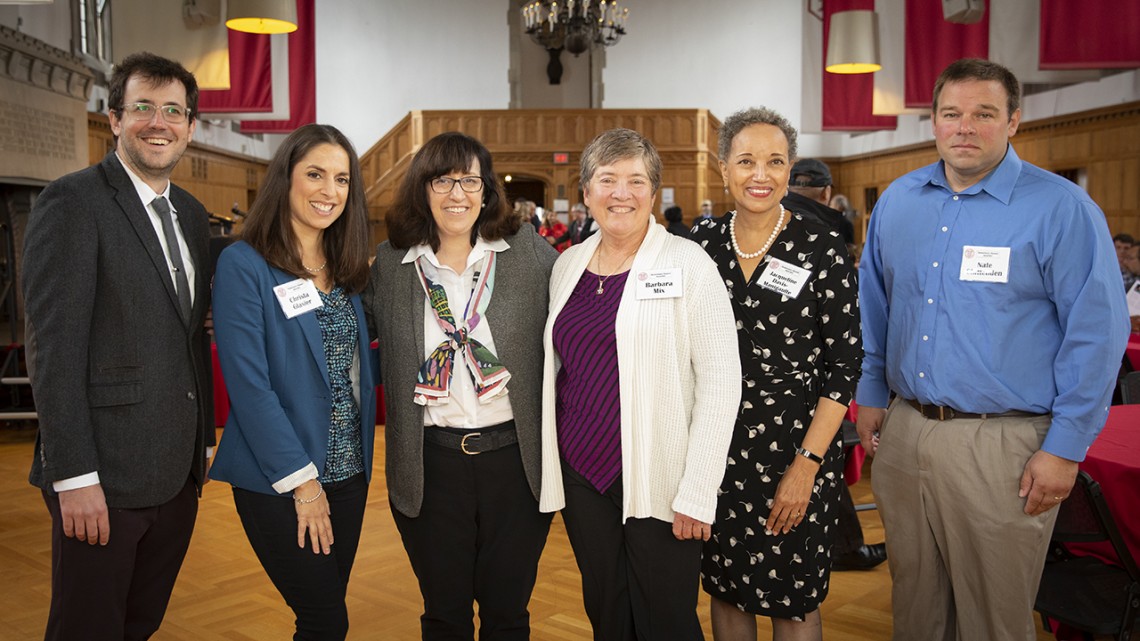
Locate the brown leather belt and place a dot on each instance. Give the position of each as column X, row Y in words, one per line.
column 943, row 413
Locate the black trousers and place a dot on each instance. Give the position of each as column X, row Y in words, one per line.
column 477, row 538
column 638, row 580
column 313, row 585
column 118, row 592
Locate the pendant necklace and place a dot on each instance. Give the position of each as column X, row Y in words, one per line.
column 602, row 279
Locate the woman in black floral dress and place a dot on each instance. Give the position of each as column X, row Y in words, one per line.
column 794, row 294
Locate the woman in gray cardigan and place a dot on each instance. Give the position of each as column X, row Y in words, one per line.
column 458, row 298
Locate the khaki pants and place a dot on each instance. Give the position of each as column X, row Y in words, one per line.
column 965, row 559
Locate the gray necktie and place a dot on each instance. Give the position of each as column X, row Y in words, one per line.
column 180, row 280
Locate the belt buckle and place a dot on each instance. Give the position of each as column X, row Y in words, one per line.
column 945, row 413
column 463, row 443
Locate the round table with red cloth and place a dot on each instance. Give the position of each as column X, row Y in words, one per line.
column 1114, row 462
column 1133, row 350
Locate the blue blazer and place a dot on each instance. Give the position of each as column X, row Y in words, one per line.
column 276, row 377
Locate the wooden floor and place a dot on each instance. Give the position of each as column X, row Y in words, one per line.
column 223, row 594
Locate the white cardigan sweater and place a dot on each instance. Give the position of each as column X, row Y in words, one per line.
column 679, row 379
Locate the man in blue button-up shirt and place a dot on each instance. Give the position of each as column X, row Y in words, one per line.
column 992, row 307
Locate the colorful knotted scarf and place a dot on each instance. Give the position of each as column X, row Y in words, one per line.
column 433, row 385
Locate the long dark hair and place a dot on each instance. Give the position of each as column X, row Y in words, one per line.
column 410, row 222
column 269, row 225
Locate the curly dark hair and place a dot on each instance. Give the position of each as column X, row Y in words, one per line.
column 736, row 123
column 411, row 223
column 269, row 224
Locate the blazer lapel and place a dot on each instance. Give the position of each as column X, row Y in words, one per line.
column 417, row 296
column 136, row 214
column 310, row 328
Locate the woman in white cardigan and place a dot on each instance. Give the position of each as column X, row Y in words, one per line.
column 641, row 389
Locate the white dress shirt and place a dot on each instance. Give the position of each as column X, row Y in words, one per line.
column 463, row 408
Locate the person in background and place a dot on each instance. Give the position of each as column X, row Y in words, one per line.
column 794, row 297
column 552, row 228
column 1124, row 245
column 673, row 216
column 809, row 191
column 841, row 203
column 297, row 447
column 639, row 394
column 1132, row 269
column 458, row 299
column 116, row 284
column 532, row 213
column 992, row 307
column 581, row 227
column 706, row 212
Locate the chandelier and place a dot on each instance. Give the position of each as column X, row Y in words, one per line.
column 574, row 25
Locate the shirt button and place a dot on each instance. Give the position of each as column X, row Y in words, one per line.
column 944, row 228
column 922, row 374
column 955, row 198
column 189, row 396
column 929, row 301
column 925, row 338
column 936, row 263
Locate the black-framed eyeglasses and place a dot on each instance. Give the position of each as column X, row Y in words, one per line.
column 144, row 111
column 444, row 184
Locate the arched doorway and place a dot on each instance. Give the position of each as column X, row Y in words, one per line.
column 526, row 187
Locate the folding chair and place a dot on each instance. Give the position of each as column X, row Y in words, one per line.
column 1130, row 388
column 1084, row 592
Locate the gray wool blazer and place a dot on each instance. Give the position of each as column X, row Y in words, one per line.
column 122, row 384
column 394, row 305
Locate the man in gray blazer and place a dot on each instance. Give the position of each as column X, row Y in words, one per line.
column 116, row 283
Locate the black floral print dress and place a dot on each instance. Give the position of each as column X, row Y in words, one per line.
column 793, row 350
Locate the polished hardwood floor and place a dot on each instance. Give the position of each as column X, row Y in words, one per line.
column 223, row 595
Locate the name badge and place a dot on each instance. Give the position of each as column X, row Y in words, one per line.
column 297, row 297
column 985, row 264
column 659, row 283
column 784, row 278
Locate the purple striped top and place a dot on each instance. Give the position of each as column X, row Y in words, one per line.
column 589, row 402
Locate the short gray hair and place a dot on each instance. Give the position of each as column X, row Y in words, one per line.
column 620, row 144
column 736, row 123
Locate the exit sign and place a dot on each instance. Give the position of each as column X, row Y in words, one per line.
column 561, row 158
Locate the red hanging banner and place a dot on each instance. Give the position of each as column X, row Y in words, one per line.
column 848, row 99
column 932, row 44
column 1090, row 34
column 302, row 77
column 251, row 78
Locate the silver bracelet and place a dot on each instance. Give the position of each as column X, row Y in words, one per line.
column 809, row 455
column 307, row 501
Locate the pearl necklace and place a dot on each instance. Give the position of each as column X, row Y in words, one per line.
column 316, row 270
column 767, row 245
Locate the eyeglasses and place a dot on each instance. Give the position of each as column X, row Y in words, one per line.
column 444, row 184
column 144, row 111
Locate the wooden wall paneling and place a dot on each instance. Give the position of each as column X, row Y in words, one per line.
column 218, row 179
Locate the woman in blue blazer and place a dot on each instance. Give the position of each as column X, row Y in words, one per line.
column 294, row 350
